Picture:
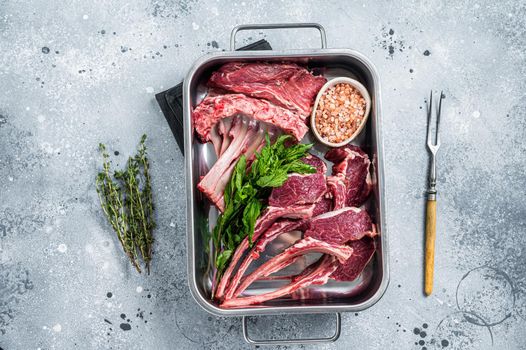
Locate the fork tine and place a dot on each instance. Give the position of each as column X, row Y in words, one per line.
column 438, row 118
column 429, row 112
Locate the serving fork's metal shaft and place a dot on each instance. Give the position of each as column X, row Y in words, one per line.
column 433, row 147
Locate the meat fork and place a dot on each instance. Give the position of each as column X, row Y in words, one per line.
column 431, row 196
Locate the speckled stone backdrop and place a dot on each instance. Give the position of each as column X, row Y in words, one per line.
column 75, row 73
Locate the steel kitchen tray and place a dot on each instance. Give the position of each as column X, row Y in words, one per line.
column 334, row 297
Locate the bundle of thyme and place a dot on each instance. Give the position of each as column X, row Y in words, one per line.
column 126, row 199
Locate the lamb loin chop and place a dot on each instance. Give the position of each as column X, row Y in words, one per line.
column 352, row 164
column 341, row 226
column 299, row 189
column 363, row 251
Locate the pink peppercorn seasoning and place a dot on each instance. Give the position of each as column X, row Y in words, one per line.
column 340, row 111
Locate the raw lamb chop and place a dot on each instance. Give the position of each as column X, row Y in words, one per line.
column 337, row 188
column 284, row 84
column 246, row 135
column 352, row 165
column 302, row 247
column 270, row 215
column 299, row 189
column 341, row 226
column 363, row 251
column 274, row 231
column 317, row 273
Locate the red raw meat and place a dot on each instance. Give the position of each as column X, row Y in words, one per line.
column 217, row 141
column 274, row 231
column 267, row 218
column 353, row 165
column 317, row 273
column 363, row 251
column 302, row 247
column 336, row 185
column 299, row 189
column 224, row 126
column 255, row 145
column 316, row 162
column 246, row 136
column 323, row 206
column 341, row 226
column 284, row 84
column 212, row 109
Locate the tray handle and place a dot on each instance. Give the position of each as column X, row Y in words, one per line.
column 330, row 339
column 277, row 26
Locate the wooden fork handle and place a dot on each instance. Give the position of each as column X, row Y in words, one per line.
column 431, row 215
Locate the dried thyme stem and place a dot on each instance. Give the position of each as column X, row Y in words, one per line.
column 127, row 201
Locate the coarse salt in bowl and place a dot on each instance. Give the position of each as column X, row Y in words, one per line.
column 335, row 119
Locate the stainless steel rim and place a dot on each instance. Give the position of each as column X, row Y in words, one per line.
column 190, row 191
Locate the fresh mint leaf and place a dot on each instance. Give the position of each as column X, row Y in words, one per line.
column 250, row 215
column 275, row 179
column 301, row 168
column 223, row 258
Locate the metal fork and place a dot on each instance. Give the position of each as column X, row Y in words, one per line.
column 431, row 195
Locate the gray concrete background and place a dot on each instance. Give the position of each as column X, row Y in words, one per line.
column 77, row 73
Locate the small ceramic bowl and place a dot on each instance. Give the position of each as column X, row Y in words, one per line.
column 363, row 91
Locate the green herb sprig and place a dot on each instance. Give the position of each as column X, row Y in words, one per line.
column 127, row 201
column 247, row 190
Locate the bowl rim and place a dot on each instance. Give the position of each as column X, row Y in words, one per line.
column 365, row 94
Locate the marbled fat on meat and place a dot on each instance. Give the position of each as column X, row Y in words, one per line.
column 316, row 162
column 352, row 164
column 324, row 205
column 299, row 189
column 363, row 251
column 214, row 108
column 284, row 84
column 341, row 226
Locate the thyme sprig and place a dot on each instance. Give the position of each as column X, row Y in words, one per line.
column 127, row 201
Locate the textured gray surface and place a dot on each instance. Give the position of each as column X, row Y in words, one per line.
column 76, row 73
